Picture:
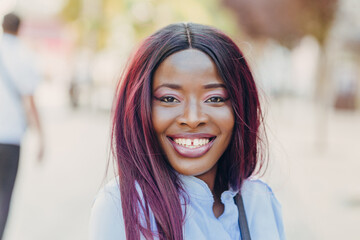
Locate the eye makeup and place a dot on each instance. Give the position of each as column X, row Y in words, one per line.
column 166, row 93
column 218, row 93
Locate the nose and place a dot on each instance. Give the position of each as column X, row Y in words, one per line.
column 193, row 115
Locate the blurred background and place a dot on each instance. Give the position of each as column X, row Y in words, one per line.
column 305, row 56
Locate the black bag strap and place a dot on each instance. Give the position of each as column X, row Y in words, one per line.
column 243, row 224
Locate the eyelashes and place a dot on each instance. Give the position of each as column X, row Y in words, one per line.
column 171, row 99
column 168, row 99
column 215, row 100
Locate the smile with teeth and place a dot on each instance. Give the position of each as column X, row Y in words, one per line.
column 192, row 143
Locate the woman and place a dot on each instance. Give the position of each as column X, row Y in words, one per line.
column 185, row 137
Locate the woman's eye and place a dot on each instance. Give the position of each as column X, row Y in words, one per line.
column 169, row 100
column 215, row 100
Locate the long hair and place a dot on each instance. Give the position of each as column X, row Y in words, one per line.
column 140, row 159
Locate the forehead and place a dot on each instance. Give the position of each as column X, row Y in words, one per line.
column 190, row 60
column 187, row 66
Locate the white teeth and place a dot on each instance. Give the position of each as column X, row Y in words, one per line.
column 192, row 143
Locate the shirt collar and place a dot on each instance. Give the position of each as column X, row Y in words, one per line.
column 197, row 188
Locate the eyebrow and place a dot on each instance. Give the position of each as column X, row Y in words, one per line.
column 178, row 87
column 169, row 85
column 214, row 85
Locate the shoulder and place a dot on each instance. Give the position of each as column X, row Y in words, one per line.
column 109, row 194
column 106, row 220
column 257, row 191
column 111, row 189
column 15, row 56
column 256, row 187
column 263, row 210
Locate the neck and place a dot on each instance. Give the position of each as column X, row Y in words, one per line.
column 11, row 32
column 209, row 178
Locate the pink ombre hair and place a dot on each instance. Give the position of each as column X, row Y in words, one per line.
column 137, row 151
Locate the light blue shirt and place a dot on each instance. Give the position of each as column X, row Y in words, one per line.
column 262, row 209
column 22, row 80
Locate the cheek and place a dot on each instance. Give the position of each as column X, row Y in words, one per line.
column 229, row 121
column 224, row 119
column 162, row 118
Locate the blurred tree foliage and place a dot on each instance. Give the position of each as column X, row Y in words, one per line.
column 96, row 20
column 287, row 22
column 283, row 20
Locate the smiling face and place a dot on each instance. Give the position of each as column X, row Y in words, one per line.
column 191, row 113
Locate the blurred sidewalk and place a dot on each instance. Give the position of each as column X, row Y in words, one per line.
column 318, row 188
column 315, row 178
column 52, row 200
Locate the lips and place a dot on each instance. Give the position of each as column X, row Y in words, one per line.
column 192, row 145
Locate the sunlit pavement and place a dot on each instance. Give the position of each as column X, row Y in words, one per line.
column 316, row 181
column 315, row 170
column 52, row 200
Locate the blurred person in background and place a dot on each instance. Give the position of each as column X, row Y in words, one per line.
column 186, row 140
column 18, row 81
